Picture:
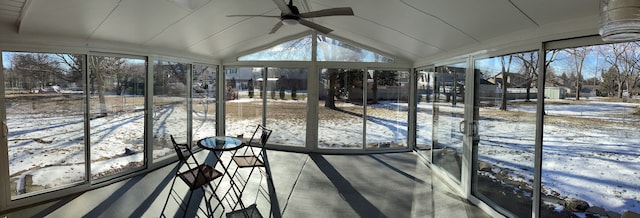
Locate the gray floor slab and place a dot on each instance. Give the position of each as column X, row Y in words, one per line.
column 306, row 185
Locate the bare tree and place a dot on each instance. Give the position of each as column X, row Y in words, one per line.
column 328, row 53
column 37, row 69
column 74, row 63
column 609, row 81
column 632, row 58
column 329, row 102
column 616, row 56
column 101, row 68
column 530, row 67
column 505, row 62
column 577, row 57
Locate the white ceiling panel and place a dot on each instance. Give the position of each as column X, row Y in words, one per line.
column 549, row 11
column 75, row 18
column 235, row 38
column 472, row 17
column 361, row 31
column 208, row 21
column 408, row 29
column 137, row 21
column 409, row 24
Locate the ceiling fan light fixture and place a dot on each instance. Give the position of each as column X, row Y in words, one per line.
column 619, row 20
column 289, row 22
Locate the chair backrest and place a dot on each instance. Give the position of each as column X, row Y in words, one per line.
column 176, row 147
column 264, row 135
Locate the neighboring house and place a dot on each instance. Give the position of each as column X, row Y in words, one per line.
column 514, row 80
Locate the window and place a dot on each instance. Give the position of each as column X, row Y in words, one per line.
column 387, row 109
column 169, row 105
column 341, row 109
column 244, row 93
column 44, row 101
column 505, row 100
column 294, row 50
column 203, row 101
column 116, row 114
column 448, row 113
column 330, row 49
column 590, row 144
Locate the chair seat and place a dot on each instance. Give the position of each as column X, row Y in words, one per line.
column 248, row 161
column 199, row 176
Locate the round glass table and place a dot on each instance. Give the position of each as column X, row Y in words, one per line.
column 220, row 143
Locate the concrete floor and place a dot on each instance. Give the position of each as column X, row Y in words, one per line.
column 306, row 185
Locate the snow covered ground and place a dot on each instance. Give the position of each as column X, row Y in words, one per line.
column 598, row 163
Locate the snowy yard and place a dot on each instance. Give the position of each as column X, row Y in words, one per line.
column 597, row 161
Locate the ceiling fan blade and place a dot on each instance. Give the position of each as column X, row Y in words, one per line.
column 315, row 26
column 347, row 11
column 252, row 15
column 276, row 27
column 283, row 6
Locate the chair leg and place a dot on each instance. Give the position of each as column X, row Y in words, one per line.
column 207, row 202
column 168, row 196
column 186, row 208
column 214, row 194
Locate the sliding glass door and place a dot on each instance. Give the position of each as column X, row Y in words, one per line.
column 448, row 118
column 425, row 85
column 506, row 90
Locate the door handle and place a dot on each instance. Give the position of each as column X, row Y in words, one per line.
column 461, row 127
column 5, row 129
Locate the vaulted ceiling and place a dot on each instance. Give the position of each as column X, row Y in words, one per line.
column 413, row 30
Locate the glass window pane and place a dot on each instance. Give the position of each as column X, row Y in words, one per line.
column 244, row 88
column 591, row 146
column 45, row 102
column 506, row 90
column 340, row 122
column 169, row 106
column 294, row 50
column 203, row 102
column 448, row 111
column 424, row 110
column 288, row 111
column 116, row 87
column 387, row 108
column 330, row 49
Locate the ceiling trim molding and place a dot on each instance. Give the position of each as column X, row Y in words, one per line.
column 523, row 13
column 104, row 20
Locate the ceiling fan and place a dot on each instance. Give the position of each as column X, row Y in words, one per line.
column 291, row 16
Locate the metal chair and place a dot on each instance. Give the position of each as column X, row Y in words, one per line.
column 196, row 176
column 253, row 157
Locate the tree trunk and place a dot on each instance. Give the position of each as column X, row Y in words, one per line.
column 577, row 91
column 374, row 90
column 100, row 81
column 620, row 84
column 503, row 104
column 331, row 92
